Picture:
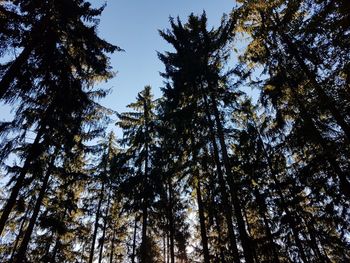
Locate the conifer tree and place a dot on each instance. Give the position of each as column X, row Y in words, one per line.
column 295, row 56
column 55, row 99
column 202, row 174
column 139, row 136
column 195, row 71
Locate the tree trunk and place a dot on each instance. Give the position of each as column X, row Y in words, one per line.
column 219, row 231
column 82, row 253
column 55, row 249
column 21, row 255
column 11, row 201
column 289, row 216
column 20, row 232
column 171, row 222
column 168, row 246
column 245, row 216
column 228, row 207
column 247, row 248
column 313, row 240
column 145, row 189
column 263, row 213
column 104, row 227
column 246, row 245
column 134, row 242
column 112, row 247
column 97, row 218
column 202, row 224
column 144, row 232
column 225, row 198
column 164, row 246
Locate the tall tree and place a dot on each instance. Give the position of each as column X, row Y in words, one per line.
column 295, row 56
column 195, row 71
column 139, row 136
column 104, row 185
column 62, row 69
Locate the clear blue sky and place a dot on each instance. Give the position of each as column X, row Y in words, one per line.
column 133, row 25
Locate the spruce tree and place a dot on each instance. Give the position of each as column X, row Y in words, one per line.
column 55, row 99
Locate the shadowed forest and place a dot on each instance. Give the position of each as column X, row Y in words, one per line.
column 205, row 173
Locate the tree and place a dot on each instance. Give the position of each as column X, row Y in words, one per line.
column 62, row 69
column 105, row 191
column 139, row 136
column 195, row 71
column 294, row 55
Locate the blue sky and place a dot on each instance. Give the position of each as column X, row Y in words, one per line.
column 133, row 25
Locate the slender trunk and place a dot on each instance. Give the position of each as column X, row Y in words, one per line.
column 284, row 206
column 202, row 224
column 112, row 247
column 47, row 248
column 211, row 207
column 145, row 188
column 144, row 232
column 197, row 186
column 164, row 246
column 55, row 249
column 223, row 206
column 219, row 231
column 262, row 208
column 114, row 240
column 82, row 253
column 58, row 239
column 97, row 218
column 263, row 214
column 134, row 242
column 246, row 244
column 168, row 245
column 245, row 216
column 104, row 226
column 325, row 254
column 21, row 255
column 225, row 198
column 313, row 240
column 171, row 222
column 20, row 233
column 167, row 225
column 11, row 201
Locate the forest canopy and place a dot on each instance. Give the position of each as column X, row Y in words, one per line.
column 204, row 173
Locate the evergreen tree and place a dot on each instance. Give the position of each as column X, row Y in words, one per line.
column 62, row 69
column 295, row 57
column 195, row 71
column 202, row 174
column 139, row 136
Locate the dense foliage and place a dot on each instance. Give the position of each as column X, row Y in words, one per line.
column 204, row 173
